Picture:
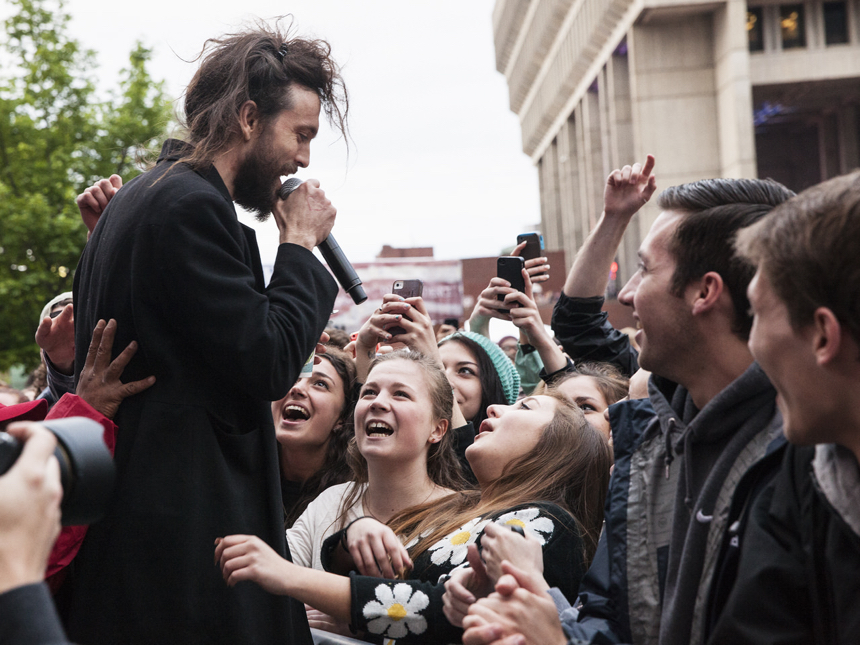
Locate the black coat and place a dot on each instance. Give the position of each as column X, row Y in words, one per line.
column 798, row 574
column 195, row 454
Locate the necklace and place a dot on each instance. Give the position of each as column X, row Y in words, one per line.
column 366, row 504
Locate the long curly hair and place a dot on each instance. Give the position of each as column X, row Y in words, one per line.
column 260, row 65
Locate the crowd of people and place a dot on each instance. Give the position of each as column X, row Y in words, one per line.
column 694, row 482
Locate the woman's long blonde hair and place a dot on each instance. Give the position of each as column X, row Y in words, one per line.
column 568, row 467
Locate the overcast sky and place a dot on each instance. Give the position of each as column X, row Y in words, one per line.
column 435, row 158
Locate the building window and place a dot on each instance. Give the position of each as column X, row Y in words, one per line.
column 755, row 29
column 792, row 26
column 835, row 23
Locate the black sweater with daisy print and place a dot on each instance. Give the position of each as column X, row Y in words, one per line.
column 410, row 611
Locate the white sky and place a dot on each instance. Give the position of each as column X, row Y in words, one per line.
column 436, row 158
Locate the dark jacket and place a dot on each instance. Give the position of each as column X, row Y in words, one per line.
column 797, row 580
column 675, row 472
column 28, row 617
column 196, row 454
column 585, row 334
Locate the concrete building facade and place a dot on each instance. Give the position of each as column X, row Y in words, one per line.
column 724, row 88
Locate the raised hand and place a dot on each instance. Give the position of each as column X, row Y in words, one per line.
column 538, row 268
column 93, row 201
column 56, row 337
column 629, row 189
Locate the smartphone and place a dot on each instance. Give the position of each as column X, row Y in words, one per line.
column 534, row 245
column 405, row 289
column 510, row 268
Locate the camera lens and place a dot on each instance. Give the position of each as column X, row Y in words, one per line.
column 86, row 467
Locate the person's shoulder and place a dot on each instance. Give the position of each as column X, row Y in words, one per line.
column 333, row 494
column 629, row 418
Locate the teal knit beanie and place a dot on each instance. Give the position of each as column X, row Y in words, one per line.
column 508, row 374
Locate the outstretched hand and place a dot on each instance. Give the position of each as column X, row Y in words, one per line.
column 93, row 201
column 56, row 337
column 99, row 383
column 247, row 557
column 629, row 189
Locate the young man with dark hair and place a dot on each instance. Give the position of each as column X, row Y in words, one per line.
column 797, row 577
column 196, row 455
column 679, row 454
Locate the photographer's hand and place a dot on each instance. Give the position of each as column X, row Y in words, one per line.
column 30, row 495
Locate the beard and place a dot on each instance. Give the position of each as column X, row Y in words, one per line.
column 258, row 179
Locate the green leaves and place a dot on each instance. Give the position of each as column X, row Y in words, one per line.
column 56, row 138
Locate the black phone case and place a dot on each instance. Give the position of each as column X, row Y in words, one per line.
column 510, row 268
column 532, row 249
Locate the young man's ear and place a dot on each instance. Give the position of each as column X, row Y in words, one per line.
column 827, row 340
column 249, row 119
column 706, row 292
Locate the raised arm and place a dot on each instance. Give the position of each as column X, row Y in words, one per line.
column 578, row 320
column 627, row 190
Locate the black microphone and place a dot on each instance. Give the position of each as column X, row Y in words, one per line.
column 333, row 254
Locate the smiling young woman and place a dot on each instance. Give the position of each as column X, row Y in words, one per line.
column 542, row 468
column 313, row 425
column 401, row 453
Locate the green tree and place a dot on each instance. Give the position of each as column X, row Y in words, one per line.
column 56, row 138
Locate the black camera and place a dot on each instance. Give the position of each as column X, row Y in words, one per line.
column 86, row 467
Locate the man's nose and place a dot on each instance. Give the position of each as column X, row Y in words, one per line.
column 625, row 296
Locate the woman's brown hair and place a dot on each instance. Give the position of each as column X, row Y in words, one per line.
column 613, row 385
column 568, row 467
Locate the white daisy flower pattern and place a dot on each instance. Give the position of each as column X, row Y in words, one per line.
column 454, row 546
column 415, row 540
column 398, row 611
column 530, row 521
